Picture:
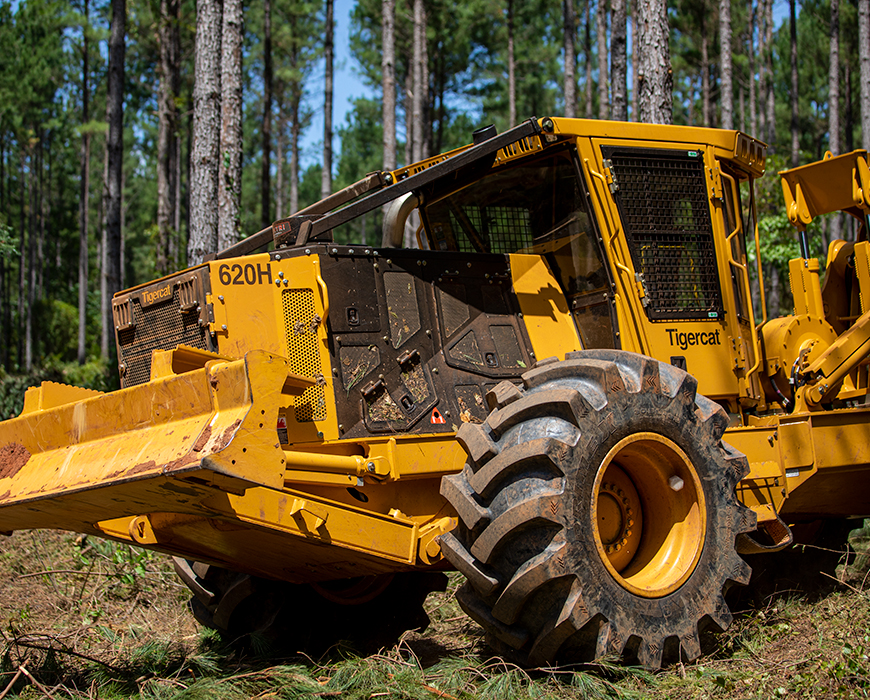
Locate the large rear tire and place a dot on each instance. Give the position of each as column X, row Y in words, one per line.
column 598, row 513
column 251, row 612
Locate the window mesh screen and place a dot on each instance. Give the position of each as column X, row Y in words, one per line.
column 665, row 212
column 160, row 326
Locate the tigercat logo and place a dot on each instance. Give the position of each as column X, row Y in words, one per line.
column 152, row 297
column 690, row 340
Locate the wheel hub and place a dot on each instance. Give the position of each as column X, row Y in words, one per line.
column 650, row 515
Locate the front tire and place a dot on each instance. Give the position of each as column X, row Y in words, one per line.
column 598, row 513
column 247, row 611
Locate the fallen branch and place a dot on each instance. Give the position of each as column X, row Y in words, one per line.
column 37, row 683
column 70, row 652
column 11, row 683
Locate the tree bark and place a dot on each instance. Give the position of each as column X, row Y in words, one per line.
column 115, row 112
column 706, row 102
column 864, row 63
column 834, row 101
column 587, row 51
column 84, row 191
column 770, row 113
column 31, row 263
column 281, row 154
column 792, row 24
column 619, row 59
column 166, row 131
column 230, row 161
column 425, row 110
column 753, row 100
column 417, row 101
column 570, row 74
column 175, row 138
column 635, row 58
column 295, row 128
column 603, row 82
column 326, row 173
column 512, row 78
column 266, row 163
column 656, row 80
column 726, row 91
column 206, row 133
column 388, row 81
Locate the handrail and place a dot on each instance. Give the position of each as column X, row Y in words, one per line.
column 742, row 267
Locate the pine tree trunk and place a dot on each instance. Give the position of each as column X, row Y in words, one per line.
column 425, row 111
column 165, row 130
column 770, row 111
column 753, row 100
column 706, row 104
column 175, row 136
column 408, row 106
column 101, row 243
column 655, row 102
column 834, row 101
column 84, row 191
column 266, row 169
column 726, row 92
column 115, row 113
column 570, row 74
column 280, row 155
column 206, row 133
column 295, row 129
column 864, row 63
column 512, row 68
column 230, row 161
column 635, row 58
column 849, row 122
column 31, row 267
column 618, row 57
column 587, row 51
column 603, row 82
column 419, row 38
column 326, row 173
column 388, row 81
column 792, row 24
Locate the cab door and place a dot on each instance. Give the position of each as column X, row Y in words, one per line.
column 668, row 220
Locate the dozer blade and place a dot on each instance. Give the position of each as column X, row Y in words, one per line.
column 75, row 458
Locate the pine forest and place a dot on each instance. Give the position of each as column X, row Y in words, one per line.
column 139, row 136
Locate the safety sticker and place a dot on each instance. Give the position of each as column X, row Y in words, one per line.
column 283, row 438
column 436, row 418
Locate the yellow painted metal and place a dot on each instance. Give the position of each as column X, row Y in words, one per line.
column 51, row 394
column 646, row 480
column 190, row 463
column 829, row 185
column 544, row 308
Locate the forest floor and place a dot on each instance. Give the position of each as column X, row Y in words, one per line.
column 85, row 618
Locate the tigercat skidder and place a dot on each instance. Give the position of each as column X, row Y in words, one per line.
column 563, row 392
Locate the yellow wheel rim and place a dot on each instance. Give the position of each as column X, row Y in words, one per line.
column 650, row 514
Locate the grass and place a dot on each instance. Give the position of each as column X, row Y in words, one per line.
column 84, row 618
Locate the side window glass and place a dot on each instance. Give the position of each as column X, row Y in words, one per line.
column 537, row 207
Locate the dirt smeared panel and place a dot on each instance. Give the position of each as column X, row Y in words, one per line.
column 227, row 436
column 203, row 438
column 13, row 456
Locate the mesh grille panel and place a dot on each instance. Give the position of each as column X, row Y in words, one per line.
column 666, row 215
column 302, row 351
column 506, row 229
column 160, row 326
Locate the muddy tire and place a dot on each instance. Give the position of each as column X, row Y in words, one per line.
column 251, row 612
column 598, row 513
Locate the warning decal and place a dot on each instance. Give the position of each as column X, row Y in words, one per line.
column 436, row 418
column 283, row 438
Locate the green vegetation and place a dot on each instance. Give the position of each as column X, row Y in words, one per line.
column 87, row 618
